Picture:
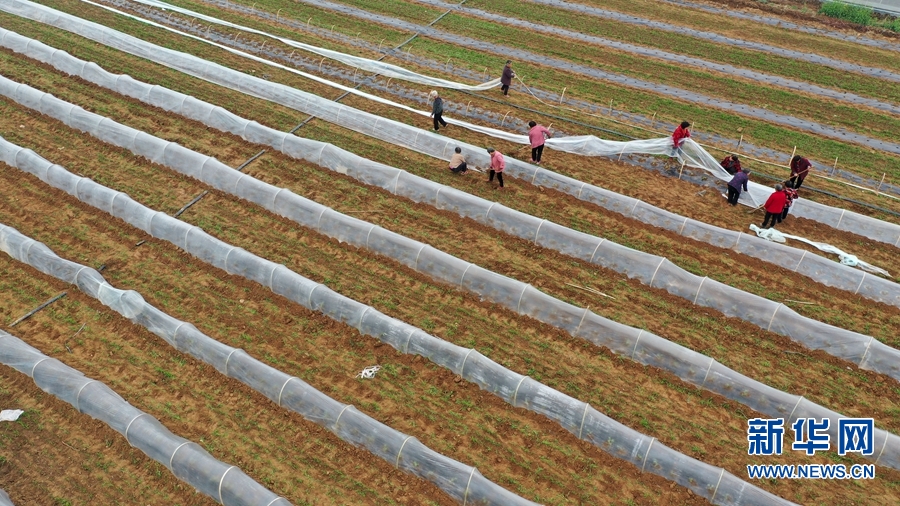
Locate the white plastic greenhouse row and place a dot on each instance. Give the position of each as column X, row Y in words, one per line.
column 400, row 134
column 187, row 460
column 650, row 269
column 641, row 346
column 461, row 482
column 578, row 417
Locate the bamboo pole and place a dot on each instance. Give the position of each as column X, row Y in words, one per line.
column 563, row 95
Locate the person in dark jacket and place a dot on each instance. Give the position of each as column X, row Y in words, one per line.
column 731, row 164
column 681, row 133
column 437, row 110
column 791, row 195
column 774, row 206
column 799, row 169
column 507, row 77
column 737, row 183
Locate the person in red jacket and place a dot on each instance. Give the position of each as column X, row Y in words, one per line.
column 774, row 206
column 681, row 133
column 799, row 169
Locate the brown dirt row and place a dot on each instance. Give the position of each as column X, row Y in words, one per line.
column 54, row 455
column 432, row 321
column 278, row 448
column 836, row 305
column 452, row 416
column 864, row 161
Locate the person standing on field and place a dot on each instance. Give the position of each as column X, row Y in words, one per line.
column 681, row 133
column 537, row 134
column 738, row 182
column 497, row 166
column 799, row 169
column 437, row 110
column 507, row 77
column 774, row 207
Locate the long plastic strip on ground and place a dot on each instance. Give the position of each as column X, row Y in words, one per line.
column 588, row 145
column 365, row 64
column 643, row 347
column 461, row 482
column 404, row 135
column 389, row 70
column 579, row 418
column 721, row 39
column 398, row 133
column 187, row 460
column 4, row 499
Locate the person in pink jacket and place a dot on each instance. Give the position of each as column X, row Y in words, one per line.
column 497, row 166
column 537, row 135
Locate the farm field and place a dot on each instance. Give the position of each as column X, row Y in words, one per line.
column 526, row 453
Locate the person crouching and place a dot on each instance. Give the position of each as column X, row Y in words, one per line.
column 458, row 162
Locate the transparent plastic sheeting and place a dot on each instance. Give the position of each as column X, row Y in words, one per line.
column 821, row 269
column 366, row 64
column 461, row 482
column 410, row 137
column 860, row 349
column 691, row 153
column 395, row 132
column 4, row 499
column 513, row 294
column 187, row 460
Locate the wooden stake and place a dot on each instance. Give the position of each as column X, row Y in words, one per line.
column 682, row 170
column 794, row 152
column 653, row 121
column 277, row 14
column 263, row 46
column 484, row 74
column 379, row 45
column 834, row 169
column 610, row 107
column 883, row 175
column 623, row 150
column 320, row 63
column 467, row 107
column 307, row 22
column 563, row 95
column 504, row 118
column 740, row 141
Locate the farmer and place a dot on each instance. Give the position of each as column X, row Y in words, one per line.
column 799, row 169
column 679, row 135
column 507, row 77
column 738, row 182
column 497, row 166
column 437, row 109
column 537, row 135
column 458, row 162
column 791, row 195
column 774, row 206
column 731, row 164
